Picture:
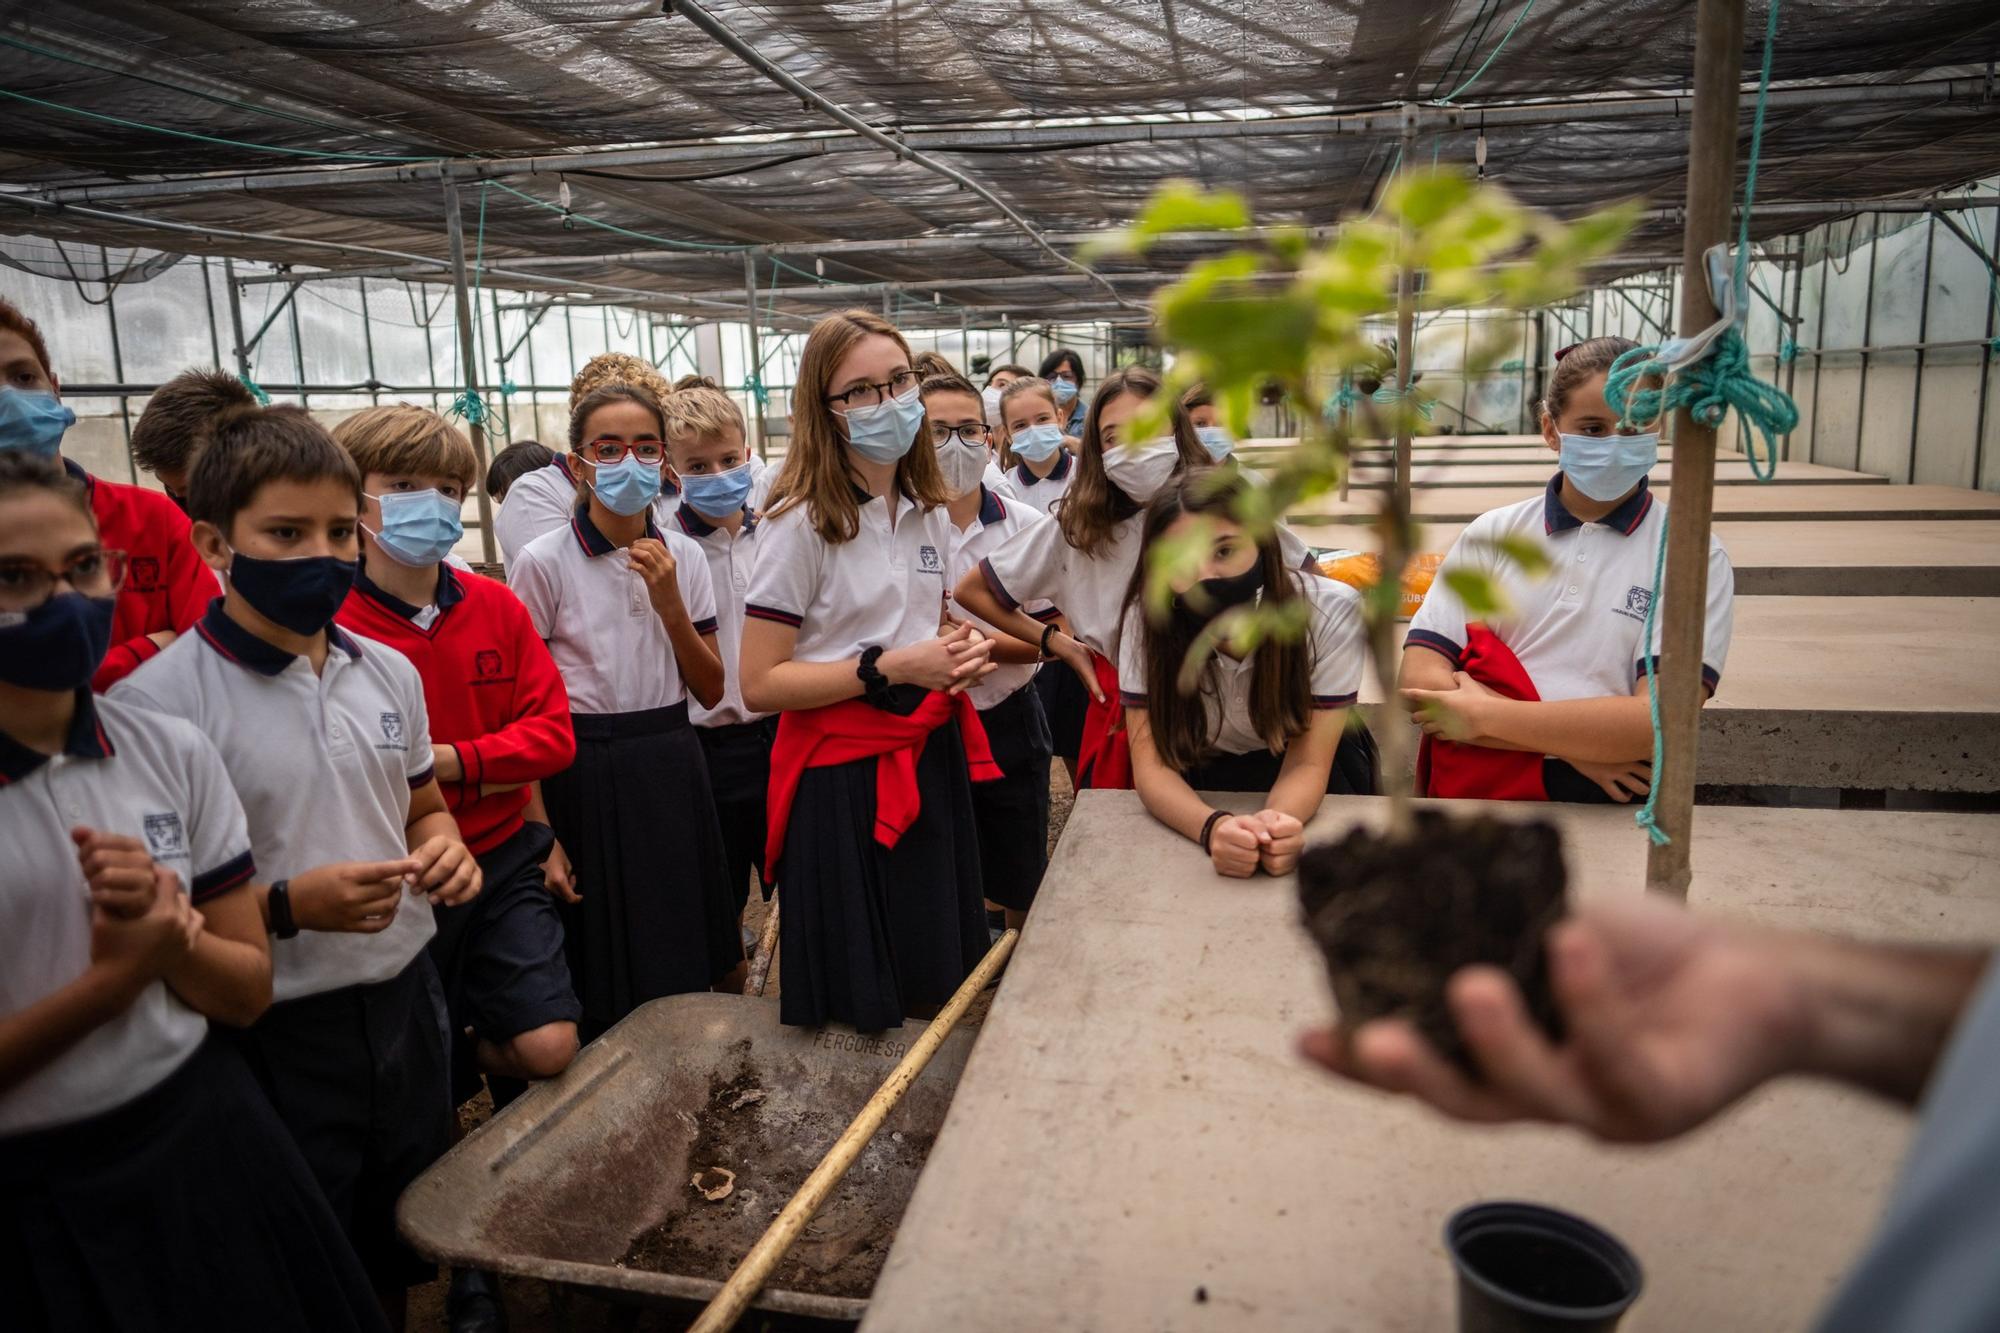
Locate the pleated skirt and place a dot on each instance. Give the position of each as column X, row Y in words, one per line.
column 188, row 1208
column 637, row 817
column 1013, row 813
column 867, row 933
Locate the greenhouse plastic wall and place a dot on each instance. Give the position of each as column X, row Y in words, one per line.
column 338, row 346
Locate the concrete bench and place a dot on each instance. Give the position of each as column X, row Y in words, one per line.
column 1740, row 504
column 1439, row 475
column 1135, row 1144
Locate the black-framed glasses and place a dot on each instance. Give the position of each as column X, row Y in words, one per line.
column 26, row 584
column 978, row 433
column 610, row 449
column 868, row 395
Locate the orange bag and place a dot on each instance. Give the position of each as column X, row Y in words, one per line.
column 1363, row 570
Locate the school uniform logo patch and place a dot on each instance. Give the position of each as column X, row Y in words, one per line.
column 142, row 573
column 165, row 838
column 392, row 729
column 1637, row 602
column 927, row 560
column 487, row 663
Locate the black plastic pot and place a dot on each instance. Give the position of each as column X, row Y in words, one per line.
column 1526, row 1268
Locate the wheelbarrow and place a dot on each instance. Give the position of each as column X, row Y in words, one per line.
column 660, row 1156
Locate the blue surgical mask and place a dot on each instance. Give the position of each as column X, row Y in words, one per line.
column 32, row 419
column 627, row 486
column 301, row 595
column 1605, row 467
column 1036, row 443
column 1064, row 390
column 418, row 527
column 58, row 645
column 717, row 494
column 1219, row 441
column 884, row 433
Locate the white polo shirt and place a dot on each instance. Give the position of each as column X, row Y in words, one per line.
column 127, row 771
column 1577, row 631
column 325, row 765
column 542, row 501
column 1037, row 565
column 1017, row 483
column 731, row 557
column 885, row 588
column 1338, row 647
column 592, row 609
column 996, row 521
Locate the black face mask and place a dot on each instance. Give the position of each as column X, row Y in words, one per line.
column 300, row 595
column 180, row 500
column 58, row 645
column 1209, row 598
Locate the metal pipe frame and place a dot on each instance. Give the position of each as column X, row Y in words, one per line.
column 1469, row 117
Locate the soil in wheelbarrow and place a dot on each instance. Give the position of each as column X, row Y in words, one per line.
column 1395, row 918
column 753, row 1157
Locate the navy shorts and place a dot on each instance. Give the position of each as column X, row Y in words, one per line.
column 501, row 957
column 358, row 1076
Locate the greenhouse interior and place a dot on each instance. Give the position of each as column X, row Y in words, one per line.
column 1411, row 743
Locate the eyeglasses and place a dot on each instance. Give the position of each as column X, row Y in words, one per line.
column 868, row 395
column 26, row 584
column 972, row 434
column 609, row 449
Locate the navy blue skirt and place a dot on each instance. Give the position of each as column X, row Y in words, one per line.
column 867, row 933
column 1354, row 772
column 1013, row 813
column 637, row 817
column 1064, row 703
column 188, row 1208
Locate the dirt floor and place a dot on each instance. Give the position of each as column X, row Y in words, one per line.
column 840, row 1255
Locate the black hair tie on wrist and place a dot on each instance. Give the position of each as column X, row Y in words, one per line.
column 1047, row 631
column 1214, row 817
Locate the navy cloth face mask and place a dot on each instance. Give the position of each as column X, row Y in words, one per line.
column 58, row 645
column 299, row 595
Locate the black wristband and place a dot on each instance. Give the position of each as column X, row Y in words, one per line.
column 874, row 684
column 1047, row 630
column 280, row 899
column 1214, row 817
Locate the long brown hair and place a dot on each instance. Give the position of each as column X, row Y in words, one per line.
column 816, row 471
column 1093, row 506
column 1280, row 672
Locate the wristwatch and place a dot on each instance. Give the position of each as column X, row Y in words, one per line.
column 874, row 685
column 280, row 899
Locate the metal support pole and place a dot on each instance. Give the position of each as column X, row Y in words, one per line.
column 499, row 335
column 1792, row 366
column 469, row 359
column 1406, row 335
column 368, row 342
column 1923, row 332
column 1985, row 367
column 118, row 368
column 1711, row 183
column 239, row 349
column 1867, row 338
column 965, row 344
column 756, row 358
column 888, row 295
column 1819, row 340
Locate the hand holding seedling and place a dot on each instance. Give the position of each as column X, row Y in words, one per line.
column 1671, row 1017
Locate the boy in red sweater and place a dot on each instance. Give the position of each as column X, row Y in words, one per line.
column 167, row 587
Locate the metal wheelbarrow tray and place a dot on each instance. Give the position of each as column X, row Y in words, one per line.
column 562, row 1184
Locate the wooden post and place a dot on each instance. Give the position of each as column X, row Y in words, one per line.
column 756, row 352
column 469, row 360
column 1711, row 192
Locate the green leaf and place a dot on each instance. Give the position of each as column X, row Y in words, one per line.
column 1422, row 198
column 1476, row 592
column 1529, row 556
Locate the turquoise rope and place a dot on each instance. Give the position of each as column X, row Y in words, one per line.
column 754, row 385
column 469, row 406
column 1708, row 389
column 209, row 138
column 256, row 390
column 1506, row 37
column 1388, row 396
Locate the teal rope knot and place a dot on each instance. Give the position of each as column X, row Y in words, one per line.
column 256, row 390
column 1709, row 388
column 507, row 388
column 1994, row 346
column 1788, row 352
column 1387, row 396
column 471, row 407
column 753, row 385
column 1344, row 401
